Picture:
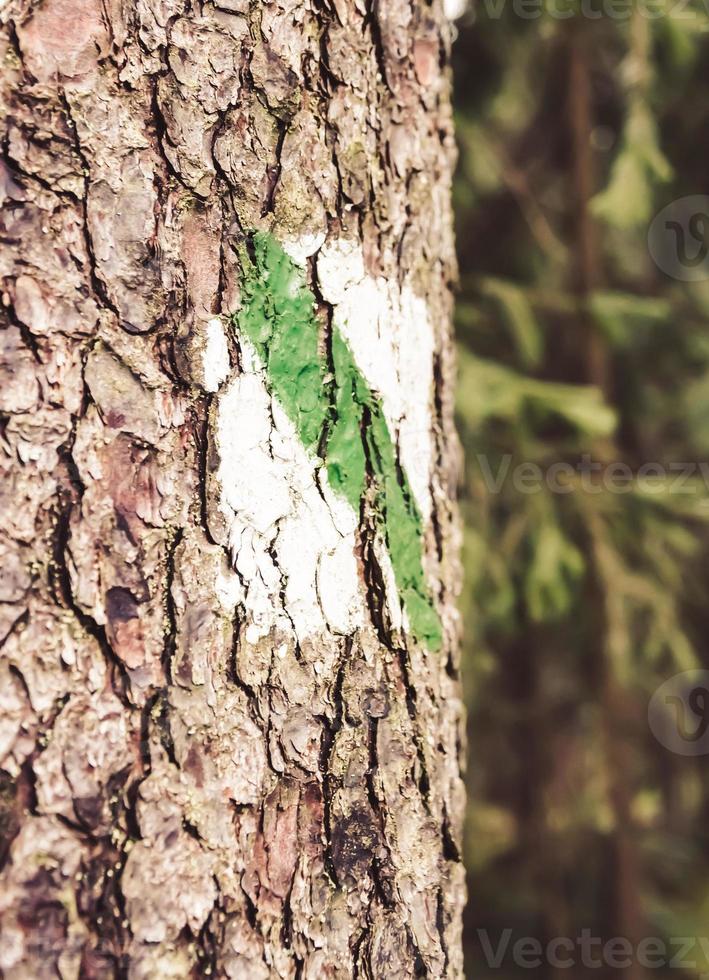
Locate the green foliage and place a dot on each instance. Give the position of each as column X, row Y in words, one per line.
column 628, row 199
column 554, row 570
column 621, row 316
column 517, row 314
column 572, row 346
column 488, row 390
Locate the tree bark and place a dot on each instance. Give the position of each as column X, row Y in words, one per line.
column 231, row 726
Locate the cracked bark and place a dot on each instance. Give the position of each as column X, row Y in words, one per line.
column 184, row 790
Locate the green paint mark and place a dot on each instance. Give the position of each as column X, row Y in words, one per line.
column 335, row 413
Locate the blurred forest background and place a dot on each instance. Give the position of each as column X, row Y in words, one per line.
column 573, row 134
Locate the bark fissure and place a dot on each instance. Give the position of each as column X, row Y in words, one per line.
column 330, row 731
column 97, row 285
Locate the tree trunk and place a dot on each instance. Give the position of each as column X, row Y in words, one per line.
column 231, row 724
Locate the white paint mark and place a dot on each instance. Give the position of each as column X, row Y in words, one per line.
column 336, row 569
column 215, row 359
column 391, row 336
column 229, row 591
column 300, row 249
column 399, row 620
column 292, row 545
column 340, row 268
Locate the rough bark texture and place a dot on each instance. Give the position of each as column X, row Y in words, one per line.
column 224, row 751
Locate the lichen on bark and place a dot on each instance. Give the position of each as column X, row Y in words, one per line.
column 223, row 752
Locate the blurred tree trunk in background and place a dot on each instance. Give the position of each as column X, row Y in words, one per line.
column 627, row 914
column 230, row 713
